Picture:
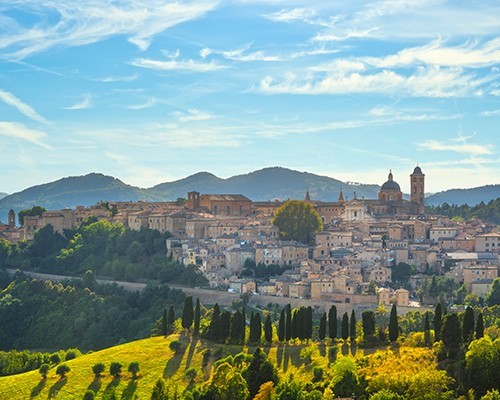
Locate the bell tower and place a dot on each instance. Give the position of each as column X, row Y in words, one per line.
column 417, row 188
column 12, row 218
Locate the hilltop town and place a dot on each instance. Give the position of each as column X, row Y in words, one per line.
column 233, row 242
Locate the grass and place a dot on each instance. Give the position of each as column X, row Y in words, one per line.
column 157, row 360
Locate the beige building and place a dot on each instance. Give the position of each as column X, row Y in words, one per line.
column 384, row 296
column 402, row 297
column 489, row 242
column 479, row 274
column 300, row 290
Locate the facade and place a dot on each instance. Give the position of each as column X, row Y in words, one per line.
column 220, row 204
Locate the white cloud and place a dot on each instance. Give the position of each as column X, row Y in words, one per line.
column 178, row 65
column 81, row 23
column 150, row 102
column 491, row 113
column 345, row 34
column 85, row 103
column 22, row 107
column 20, row 131
column 241, row 54
column 193, row 115
column 474, row 149
column 129, row 78
column 293, row 15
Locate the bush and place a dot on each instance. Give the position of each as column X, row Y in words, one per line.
column 115, row 369
column 72, row 354
column 89, row 395
column 98, row 369
column 317, row 374
column 191, row 374
column 44, row 369
column 133, row 368
column 55, row 358
column 62, row 370
column 175, row 346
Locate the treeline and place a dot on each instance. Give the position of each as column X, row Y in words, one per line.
column 106, row 248
column 489, row 212
column 81, row 313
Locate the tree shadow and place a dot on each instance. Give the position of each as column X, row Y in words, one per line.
column 279, row 354
column 322, row 349
column 395, row 348
column 174, row 363
column 332, row 353
column 38, row 388
column 96, row 384
column 345, row 349
column 295, row 356
column 56, row 387
column 286, row 358
column 192, row 347
column 111, row 386
column 128, row 392
column 354, row 348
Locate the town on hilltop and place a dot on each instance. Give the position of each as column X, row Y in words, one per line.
column 229, row 237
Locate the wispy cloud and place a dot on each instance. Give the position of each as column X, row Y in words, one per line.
column 83, row 104
column 150, row 102
column 20, row 131
column 345, row 34
column 474, row 149
column 241, row 54
column 178, row 65
column 491, row 113
column 21, row 106
column 128, row 78
column 193, row 115
column 292, row 15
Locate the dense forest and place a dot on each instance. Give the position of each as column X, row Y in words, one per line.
column 489, row 212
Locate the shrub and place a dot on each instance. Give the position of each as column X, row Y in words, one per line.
column 175, row 346
column 44, row 369
column 55, row 358
column 72, row 354
column 62, row 370
column 317, row 374
column 89, row 395
column 191, row 374
column 98, row 369
column 115, row 369
column 133, row 368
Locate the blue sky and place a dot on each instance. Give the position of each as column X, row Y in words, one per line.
column 152, row 91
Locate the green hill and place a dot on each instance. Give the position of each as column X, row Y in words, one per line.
column 470, row 197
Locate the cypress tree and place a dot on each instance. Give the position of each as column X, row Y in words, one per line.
column 452, row 335
column 288, row 322
column 468, row 324
column 243, row 325
column 197, row 316
column 345, row 326
column 171, row 319
column 479, row 326
column 214, row 329
column 257, row 328
column 164, row 323
column 187, row 313
column 235, row 327
column 393, row 324
column 322, row 327
column 427, row 330
column 332, row 322
column 252, row 329
column 368, row 320
column 225, row 326
column 268, row 329
column 309, row 322
column 295, row 323
column 353, row 326
column 438, row 322
column 281, row 326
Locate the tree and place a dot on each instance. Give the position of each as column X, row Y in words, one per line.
column 345, row 326
column 225, row 326
column 255, row 328
column 115, row 369
column 288, row 322
column 98, row 369
column 368, row 320
column 133, row 368
column 268, row 329
column 164, row 323
column 89, row 395
column 493, row 296
column 236, row 387
column 89, row 281
column 62, row 370
column 43, row 370
column 159, row 391
column 480, row 326
column 197, row 316
column 187, row 313
column 34, row 211
column 427, row 330
column 214, row 331
column 332, row 322
column 393, row 324
column 322, row 327
column 170, row 319
column 438, row 322
column 297, row 220
column 452, row 335
column 259, row 370
column 352, row 329
column 468, row 324
column 281, row 326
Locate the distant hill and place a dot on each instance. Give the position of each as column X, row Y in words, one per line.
column 2, row 195
column 465, row 196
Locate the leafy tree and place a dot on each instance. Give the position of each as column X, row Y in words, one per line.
column 281, row 326
column 164, row 323
column 255, row 328
column 493, row 394
column 134, row 368
column 159, row 392
column 452, row 335
column 62, row 370
column 89, row 395
column 297, row 220
column 393, row 324
column 288, row 322
column 322, row 327
column 427, row 330
column 368, row 319
column 259, row 371
column 386, row 394
column 98, row 369
column 187, row 313
column 170, row 319
column 89, row 281
column 438, row 322
column 493, row 296
column 345, row 326
column 482, row 363
column 266, row 391
column 236, row 387
column 43, row 370
column 268, row 329
column 197, row 316
column 225, row 326
column 468, row 324
column 115, row 369
column 214, row 330
column 34, row 211
column 352, row 329
column 332, row 322
column 480, row 326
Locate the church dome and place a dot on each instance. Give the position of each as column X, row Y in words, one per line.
column 390, row 185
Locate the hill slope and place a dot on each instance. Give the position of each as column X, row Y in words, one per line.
column 2, row 195
column 471, row 196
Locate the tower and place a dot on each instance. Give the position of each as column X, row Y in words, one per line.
column 12, row 218
column 417, row 187
column 193, row 200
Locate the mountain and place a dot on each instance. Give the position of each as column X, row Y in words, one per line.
column 471, row 196
column 2, row 195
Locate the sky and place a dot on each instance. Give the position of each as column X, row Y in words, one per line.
column 153, row 91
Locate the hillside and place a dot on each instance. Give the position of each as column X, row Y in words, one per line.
column 470, row 197
column 2, row 195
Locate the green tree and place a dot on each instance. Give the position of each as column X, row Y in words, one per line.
column 236, row 387
column 259, row 370
column 225, row 326
column 368, row 321
column 352, row 329
column 393, row 324
column 452, row 335
column 33, row 212
column 268, row 329
column 255, row 328
column 187, row 313
column 89, row 395
column 386, row 394
column 322, row 327
column 345, row 326
column 197, row 316
column 134, row 368
column 115, row 369
column 482, row 362
column 170, row 319
column 297, row 220
column 98, row 369
column 438, row 322
column 62, row 370
column 164, row 323
column 332, row 322
column 468, row 324
column 89, row 281
column 427, row 330
column 214, row 329
column 288, row 322
column 493, row 296
column 159, row 391
column 493, row 394
column 43, row 370
column 480, row 326
column 281, row 326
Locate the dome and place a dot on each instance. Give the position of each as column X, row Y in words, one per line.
column 390, row 185
column 417, row 171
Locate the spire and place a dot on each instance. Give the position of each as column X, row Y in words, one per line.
column 355, row 197
column 390, row 175
column 307, row 195
column 341, row 196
